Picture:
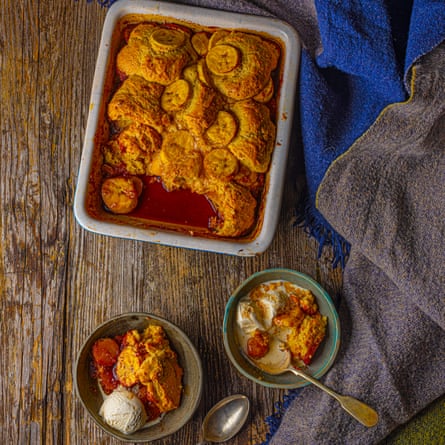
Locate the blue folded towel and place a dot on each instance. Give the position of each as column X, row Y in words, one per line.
column 367, row 47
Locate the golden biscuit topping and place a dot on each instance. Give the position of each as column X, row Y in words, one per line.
column 254, row 142
column 156, row 53
column 137, row 100
column 250, row 69
column 194, row 110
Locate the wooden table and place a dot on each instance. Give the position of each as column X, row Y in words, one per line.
column 59, row 282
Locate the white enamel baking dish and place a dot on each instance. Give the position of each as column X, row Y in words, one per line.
column 275, row 178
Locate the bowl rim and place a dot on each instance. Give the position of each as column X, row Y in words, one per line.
column 334, row 320
column 183, row 338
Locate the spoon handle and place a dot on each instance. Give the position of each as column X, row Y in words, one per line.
column 359, row 410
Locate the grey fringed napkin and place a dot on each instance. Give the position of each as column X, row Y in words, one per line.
column 386, row 195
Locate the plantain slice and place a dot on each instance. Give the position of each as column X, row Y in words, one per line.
column 223, row 130
column 216, row 36
column 221, row 164
column 203, row 73
column 200, row 43
column 165, row 40
column 175, row 95
column 120, row 194
column 222, row 59
column 266, row 93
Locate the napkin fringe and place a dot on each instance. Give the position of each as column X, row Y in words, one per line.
column 103, row 3
column 274, row 420
column 317, row 227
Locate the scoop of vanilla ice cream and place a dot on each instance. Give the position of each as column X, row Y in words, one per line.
column 247, row 318
column 268, row 306
column 259, row 313
column 123, row 411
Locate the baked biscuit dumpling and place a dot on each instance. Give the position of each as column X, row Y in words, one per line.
column 201, row 109
column 151, row 363
column 156, row 53
column 179, row 162
column 127, row 365
column 241, row 64
column 236, row 209
column 160, row 371
column 254, row 142
column 161, row 374
column 137, row 100
column 132, row 149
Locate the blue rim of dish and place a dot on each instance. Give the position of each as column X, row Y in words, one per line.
column 335, row 332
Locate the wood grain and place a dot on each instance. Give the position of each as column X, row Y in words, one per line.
column 58, row 281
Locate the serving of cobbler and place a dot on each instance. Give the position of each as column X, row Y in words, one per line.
column 193, row 111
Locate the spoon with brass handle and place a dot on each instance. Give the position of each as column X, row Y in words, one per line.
column 281, row 363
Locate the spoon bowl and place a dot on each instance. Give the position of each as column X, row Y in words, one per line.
column 225, row 419
column 280, row 363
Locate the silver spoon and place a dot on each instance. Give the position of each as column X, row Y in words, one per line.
column 225, row 419
column 281, row 363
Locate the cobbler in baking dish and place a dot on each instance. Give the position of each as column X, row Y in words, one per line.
column 193, row 111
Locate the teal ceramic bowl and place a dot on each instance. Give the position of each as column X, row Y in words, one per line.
column 91, row 398
column 326, row 352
